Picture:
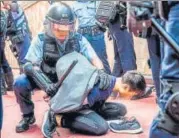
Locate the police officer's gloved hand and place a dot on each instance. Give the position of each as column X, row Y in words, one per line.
column 104, row 80
column 51, row 89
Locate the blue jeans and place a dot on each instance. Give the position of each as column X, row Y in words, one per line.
column 22, row 48
column 169, row 70
column 124, row 54
column 99, row 46
column 155, row 58
column 22, row 89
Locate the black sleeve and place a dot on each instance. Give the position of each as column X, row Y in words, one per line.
column 37, row 75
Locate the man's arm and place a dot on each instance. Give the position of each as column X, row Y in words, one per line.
column 87, row 50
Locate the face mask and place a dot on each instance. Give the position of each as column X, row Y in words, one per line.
column 61, row 32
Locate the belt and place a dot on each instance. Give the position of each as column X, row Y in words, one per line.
column 91, row 30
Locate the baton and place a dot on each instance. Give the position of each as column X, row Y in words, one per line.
column 57, row 85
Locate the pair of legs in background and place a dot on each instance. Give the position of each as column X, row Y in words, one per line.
column 124, row 54
column 6, row 72
column 97, row 41
column 155, row 60
column 22, row 49
column 167, row 117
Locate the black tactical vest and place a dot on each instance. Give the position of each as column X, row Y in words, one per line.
column 53, row 51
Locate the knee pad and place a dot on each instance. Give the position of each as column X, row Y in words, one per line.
column 112, row 110
column 169, row 120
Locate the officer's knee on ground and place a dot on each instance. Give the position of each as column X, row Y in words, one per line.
column 102, row 129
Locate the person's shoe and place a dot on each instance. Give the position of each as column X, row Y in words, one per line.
column 131, row 126
column 49, row 124
column 148, row 91
column 25, row 123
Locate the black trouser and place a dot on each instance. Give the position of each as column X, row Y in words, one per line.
column 93, row 120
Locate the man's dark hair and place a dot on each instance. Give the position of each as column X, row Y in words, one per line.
column 135, row 80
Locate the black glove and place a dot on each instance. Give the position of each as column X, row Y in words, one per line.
column 104, row 80
column 51, row 89
column 40, row 79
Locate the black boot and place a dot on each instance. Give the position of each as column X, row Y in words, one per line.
column 49, row 124
column 9, row 78
column 25, row 123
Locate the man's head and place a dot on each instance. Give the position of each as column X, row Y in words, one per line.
column 132, row 82
column 60, row 22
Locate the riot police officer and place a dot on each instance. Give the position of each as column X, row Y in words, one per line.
column 85, row 12
column 18, row 30
column 166, row 123
column 58, row 39
column 153, row 42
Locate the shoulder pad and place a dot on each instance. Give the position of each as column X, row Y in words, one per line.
column 41, row 36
